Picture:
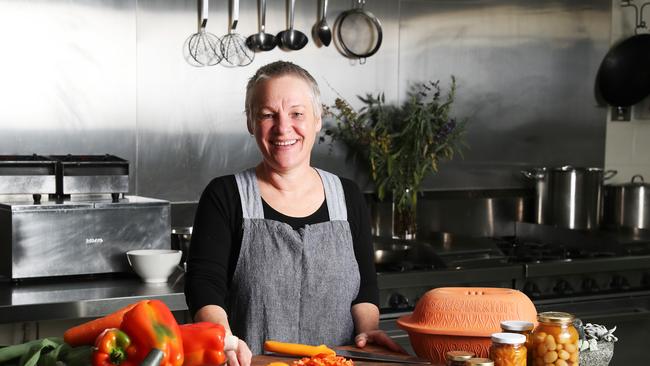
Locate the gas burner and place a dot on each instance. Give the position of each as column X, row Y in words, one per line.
column 404, row 267
column 531, row 252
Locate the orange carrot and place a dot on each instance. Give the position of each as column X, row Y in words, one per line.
column 86, row 333
column 297, row 349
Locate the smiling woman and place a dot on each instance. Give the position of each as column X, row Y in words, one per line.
column 283, row 250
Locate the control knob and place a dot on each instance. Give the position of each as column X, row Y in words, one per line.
column 532, row 290
column 590, row 285
column 563, row 287
column 398, row 301
column 620, row 283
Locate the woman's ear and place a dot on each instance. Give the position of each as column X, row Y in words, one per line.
column 249, row 125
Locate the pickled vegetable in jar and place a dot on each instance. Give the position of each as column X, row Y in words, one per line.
column 521, row 327
column 555, row 340
column 458, row 358
column 508, row 349
column 479, row 362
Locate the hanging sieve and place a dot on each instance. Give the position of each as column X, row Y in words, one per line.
column 233, row 45
column 359, row 32
column 202, row 47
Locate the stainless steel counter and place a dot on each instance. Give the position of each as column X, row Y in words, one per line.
column 57, row 299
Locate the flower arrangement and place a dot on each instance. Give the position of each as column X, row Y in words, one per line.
column 401, row 144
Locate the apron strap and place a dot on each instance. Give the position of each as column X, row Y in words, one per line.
column 251, row 199
column 334, row 196
column 249, row 194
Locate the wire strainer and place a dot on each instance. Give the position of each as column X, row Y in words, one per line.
column 202, row 47
column 233, row 45
column 359, row 33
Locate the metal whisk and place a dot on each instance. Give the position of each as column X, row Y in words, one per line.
column 233, row 45
column 203, row 47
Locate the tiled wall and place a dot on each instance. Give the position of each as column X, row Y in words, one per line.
column 628, row 143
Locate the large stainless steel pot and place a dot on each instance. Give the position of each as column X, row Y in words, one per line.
column 569, row 197
column 628, row 205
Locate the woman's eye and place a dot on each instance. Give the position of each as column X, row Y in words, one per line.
column 266, row 116
column 297, row 114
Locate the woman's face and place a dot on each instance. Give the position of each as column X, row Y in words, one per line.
column 284, row 124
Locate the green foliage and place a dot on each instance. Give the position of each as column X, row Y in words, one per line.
column 402, row 144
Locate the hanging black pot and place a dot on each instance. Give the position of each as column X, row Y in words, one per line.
column 624, row 75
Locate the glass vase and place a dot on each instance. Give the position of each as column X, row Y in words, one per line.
column 405, row 215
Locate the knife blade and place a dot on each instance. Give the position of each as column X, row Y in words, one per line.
column 358, row 355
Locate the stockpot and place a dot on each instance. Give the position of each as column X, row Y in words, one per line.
column 627, row 205
column 568, row 196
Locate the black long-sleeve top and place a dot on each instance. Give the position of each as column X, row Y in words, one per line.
column 217, row 236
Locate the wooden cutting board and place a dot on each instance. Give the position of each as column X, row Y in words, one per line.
column 263, row 360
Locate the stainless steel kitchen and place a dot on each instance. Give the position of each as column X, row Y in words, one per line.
column 116, row 114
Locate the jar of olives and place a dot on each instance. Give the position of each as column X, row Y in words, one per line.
column 458, row 358
column 479, row 362
column 521, row 327
column 508, row 349
column 555, row 340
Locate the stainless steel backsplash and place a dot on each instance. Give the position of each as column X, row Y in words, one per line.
column 108, row 76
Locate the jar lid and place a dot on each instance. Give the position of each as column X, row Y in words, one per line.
column 516, row 325
column 555, row 317
column 459, row 355
column 508, row 338
column 479, row 362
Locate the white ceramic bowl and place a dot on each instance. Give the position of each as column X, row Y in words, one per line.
column 154, row 265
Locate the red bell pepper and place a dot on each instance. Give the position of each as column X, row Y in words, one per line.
column 111, row 348
column 203, row 344
column 150, row 324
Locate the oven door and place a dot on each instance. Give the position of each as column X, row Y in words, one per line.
column 630, row 314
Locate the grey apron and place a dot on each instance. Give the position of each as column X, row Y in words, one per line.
column 293, row 285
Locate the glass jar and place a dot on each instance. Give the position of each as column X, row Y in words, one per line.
column 508, row 349
column 458, row 358
column 555, row 340
column 479, row 362
column 521, row 327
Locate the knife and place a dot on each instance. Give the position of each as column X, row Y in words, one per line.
column 358, row 355
column 295, row 349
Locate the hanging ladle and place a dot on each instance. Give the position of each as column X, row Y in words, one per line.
column 292, row 39
column 323, row 31
column 261, row 41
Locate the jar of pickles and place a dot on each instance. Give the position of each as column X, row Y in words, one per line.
column 479, row 362
column 521, row 327
column 458, row 358
column 555, row 340
column 508, row 349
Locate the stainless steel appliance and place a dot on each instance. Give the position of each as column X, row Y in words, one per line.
column 27, row 174
column 627, row 205
column 601, row 276
column 569, row 197
column 91, row 174
column 83, row 226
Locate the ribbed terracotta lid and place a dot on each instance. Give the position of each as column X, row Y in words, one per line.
column 459, row 355
column 467, row 311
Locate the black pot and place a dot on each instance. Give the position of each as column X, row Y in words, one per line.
column 628, row 205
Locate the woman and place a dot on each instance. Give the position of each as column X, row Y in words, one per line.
column 283, row 251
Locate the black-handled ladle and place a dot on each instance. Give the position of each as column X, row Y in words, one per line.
column 292, row 39
column 261, row 41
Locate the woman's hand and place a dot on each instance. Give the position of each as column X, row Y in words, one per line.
column 378, row 337
column 240, row 357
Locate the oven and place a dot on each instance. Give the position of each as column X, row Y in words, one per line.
column 601, row 277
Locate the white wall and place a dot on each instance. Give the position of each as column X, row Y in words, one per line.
column 627, row 147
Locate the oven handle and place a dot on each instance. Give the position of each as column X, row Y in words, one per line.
column 640, row 313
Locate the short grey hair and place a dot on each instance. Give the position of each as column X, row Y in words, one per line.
column 274, row 70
